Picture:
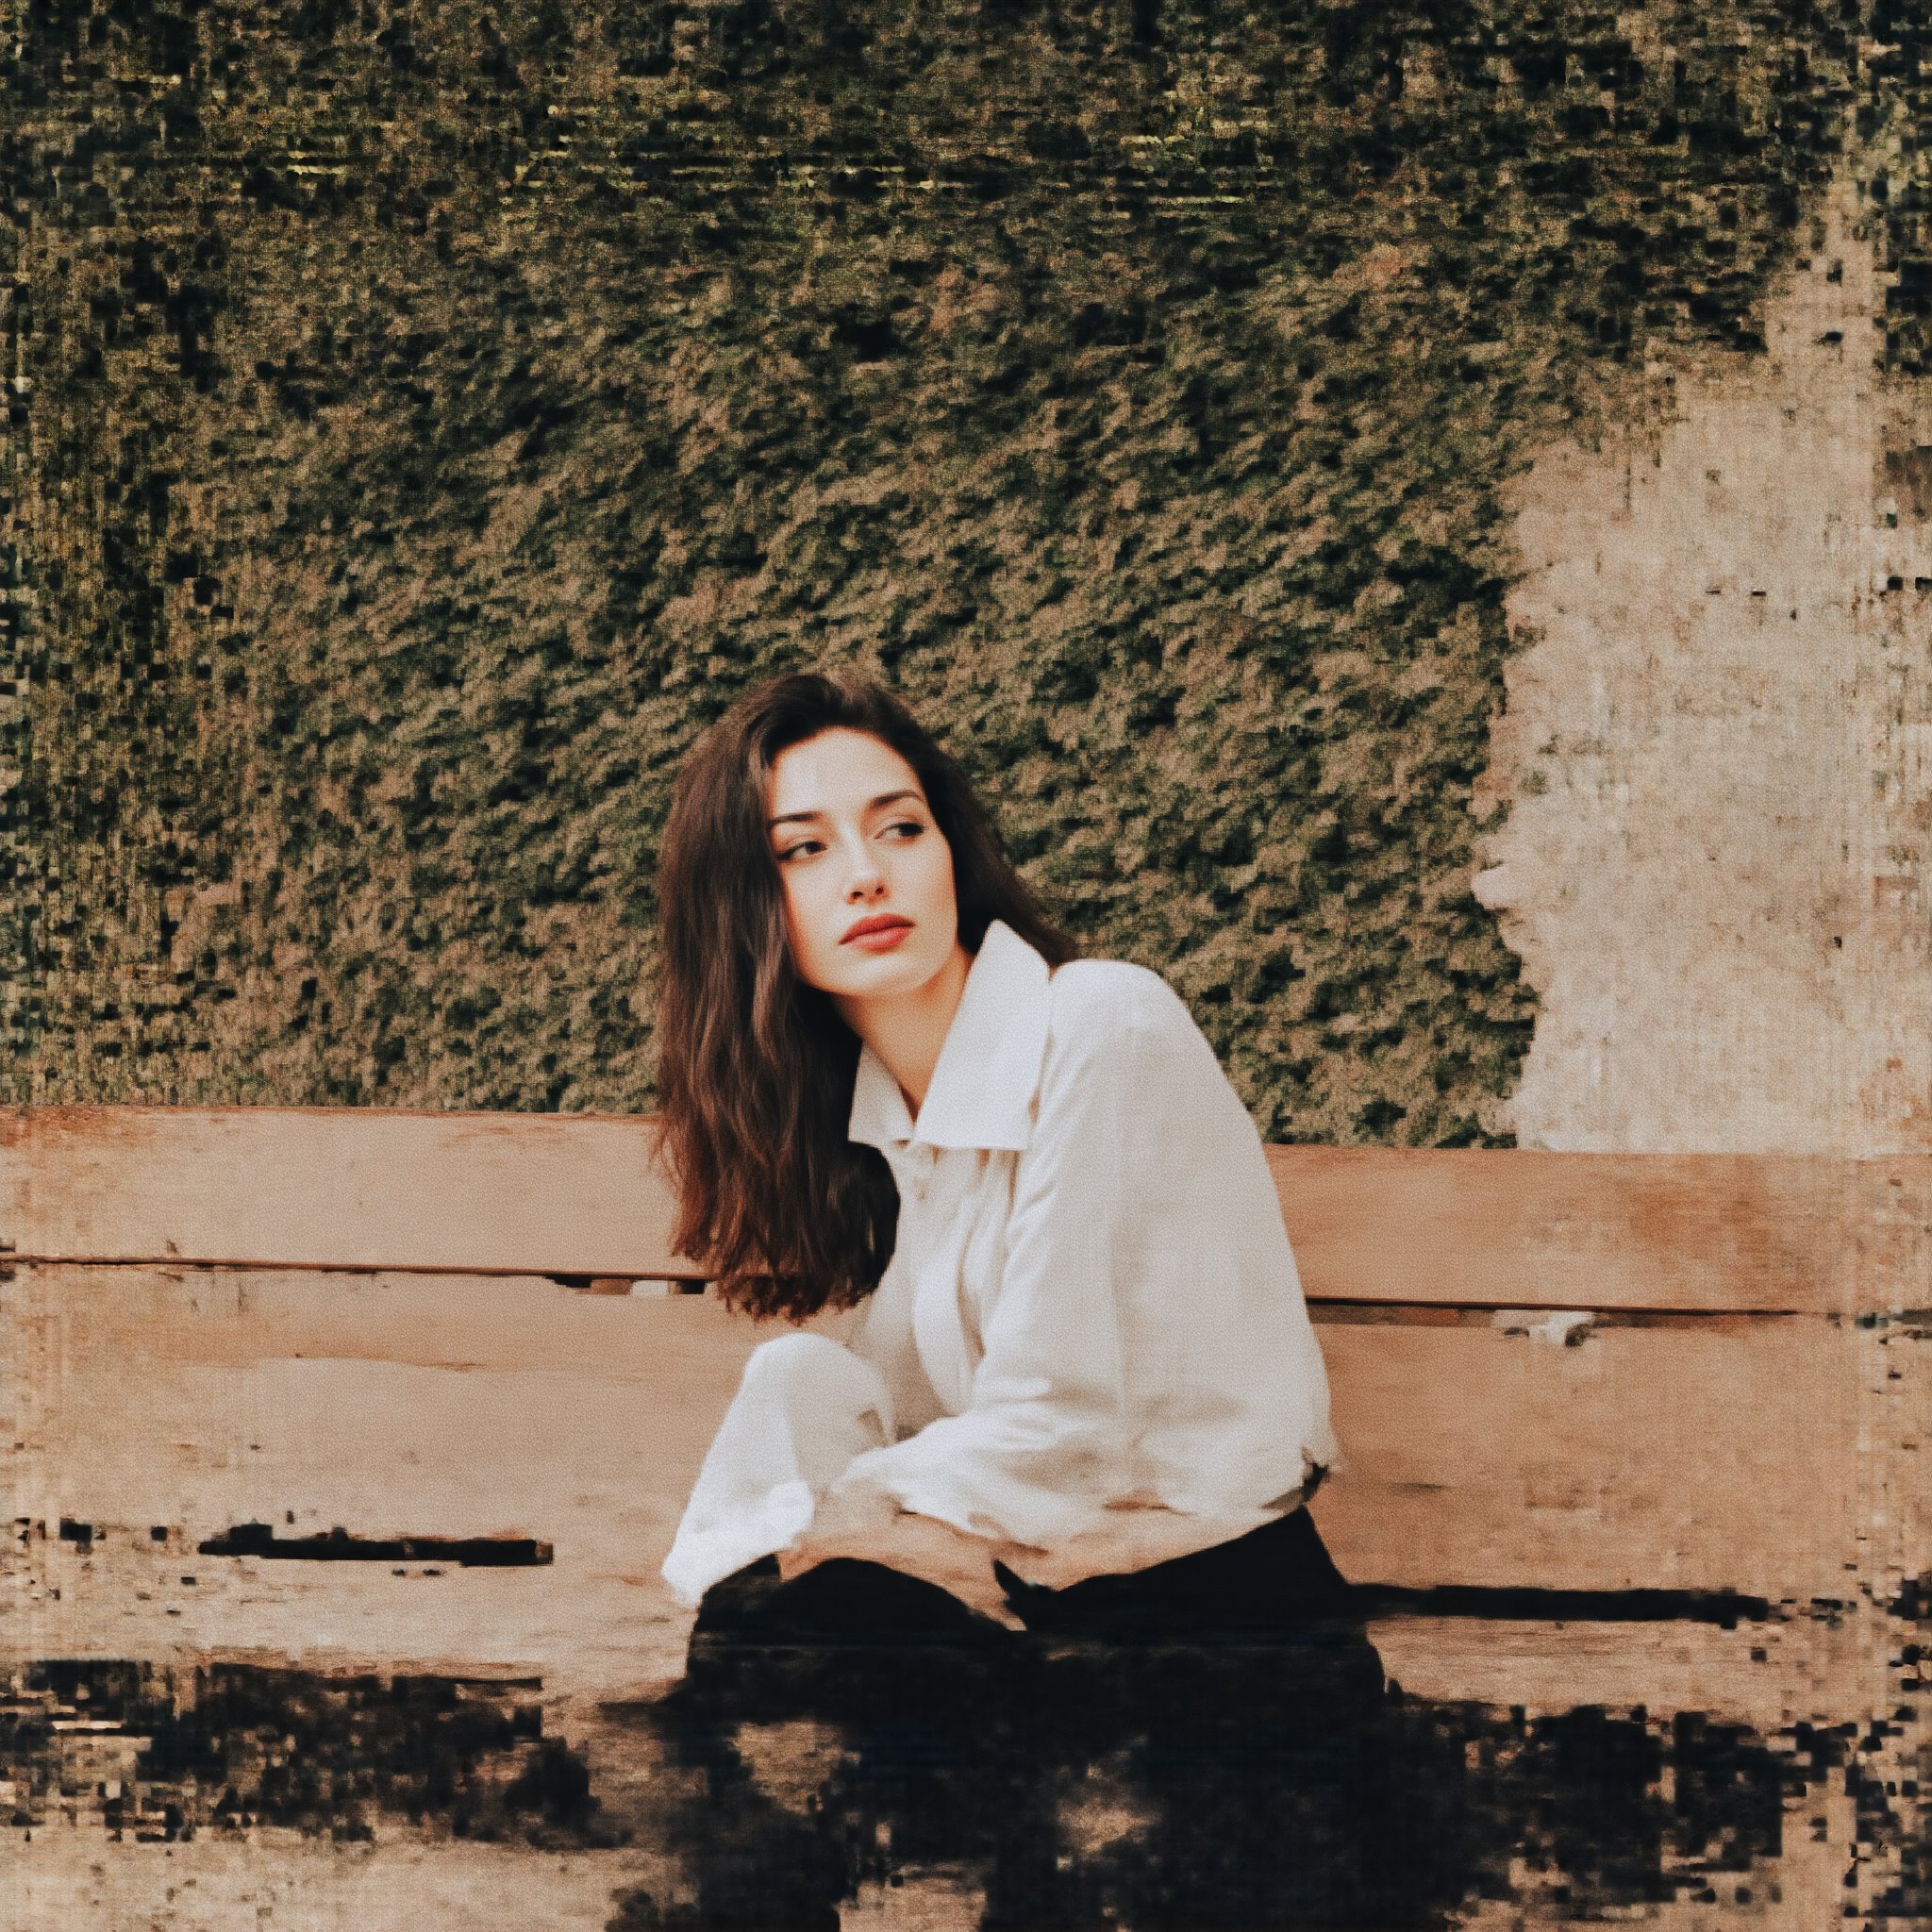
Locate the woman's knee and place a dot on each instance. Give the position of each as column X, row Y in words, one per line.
column 810, row 1367
column 821, row 1399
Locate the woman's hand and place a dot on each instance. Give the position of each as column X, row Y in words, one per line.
column 852, row 1521
column 859, row 1521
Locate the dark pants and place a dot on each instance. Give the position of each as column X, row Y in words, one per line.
column 1228, row 1703
column 1241, row 1760
column 1270, row 1583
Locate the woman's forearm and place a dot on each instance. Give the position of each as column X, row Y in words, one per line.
column 866, row 1523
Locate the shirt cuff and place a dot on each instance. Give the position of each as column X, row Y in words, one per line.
column 704, row 1555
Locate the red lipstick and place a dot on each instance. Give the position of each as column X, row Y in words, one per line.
column 878, row 933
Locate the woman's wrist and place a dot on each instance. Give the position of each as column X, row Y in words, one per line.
column 851, row 1519
column 858, row 1520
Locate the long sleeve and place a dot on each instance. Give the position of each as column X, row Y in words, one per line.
column 1120, row 1336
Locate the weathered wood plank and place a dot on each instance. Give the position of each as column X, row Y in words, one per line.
column 1640, row 1458
column 470, row 1406
column 549, row 1194
column 340, row 1187
column 525, row 1406
column 1518, row 1227
column 1763, row 1674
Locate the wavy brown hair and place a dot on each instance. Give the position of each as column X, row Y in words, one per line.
column 755, row 1068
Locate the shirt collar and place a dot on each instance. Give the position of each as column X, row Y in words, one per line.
column 988, row 1073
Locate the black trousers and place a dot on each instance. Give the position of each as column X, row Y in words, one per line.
column 1230, row 1700
column 1273, row 1581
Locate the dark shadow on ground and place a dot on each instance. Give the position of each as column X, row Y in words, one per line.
column 1077, row 1785
column 158, row 1754
column 1065, row 1783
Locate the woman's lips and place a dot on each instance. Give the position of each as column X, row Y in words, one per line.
column 881, row 940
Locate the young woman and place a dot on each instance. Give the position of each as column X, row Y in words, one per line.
column 1064, row 1372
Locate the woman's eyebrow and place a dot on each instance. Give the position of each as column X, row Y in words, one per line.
column 871, row 804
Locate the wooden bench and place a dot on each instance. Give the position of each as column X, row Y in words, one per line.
column 1550, row 1373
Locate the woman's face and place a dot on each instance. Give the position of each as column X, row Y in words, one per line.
column 867, row 873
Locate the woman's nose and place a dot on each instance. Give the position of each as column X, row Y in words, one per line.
column 864, row 879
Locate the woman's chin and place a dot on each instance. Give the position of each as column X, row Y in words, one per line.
column 888, row 975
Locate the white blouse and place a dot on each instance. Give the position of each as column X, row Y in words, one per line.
column 1091, row 1337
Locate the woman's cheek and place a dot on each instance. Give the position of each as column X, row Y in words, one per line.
column 944, row 888
column 823, row 942
column 932, row 875
column 801, row 930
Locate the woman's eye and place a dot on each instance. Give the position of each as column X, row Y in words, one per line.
column 912, row 825
column 792, row 851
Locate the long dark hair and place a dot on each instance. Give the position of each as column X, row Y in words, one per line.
column 755, row 1068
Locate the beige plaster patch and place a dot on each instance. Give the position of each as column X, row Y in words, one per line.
column 1718, row 751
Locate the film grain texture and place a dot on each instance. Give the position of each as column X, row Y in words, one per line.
column 1412, row 511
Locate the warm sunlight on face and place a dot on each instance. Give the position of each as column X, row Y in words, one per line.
column 867, row 875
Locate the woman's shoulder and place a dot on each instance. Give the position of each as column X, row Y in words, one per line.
column 1096, row 1003
column 1118, row 1030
